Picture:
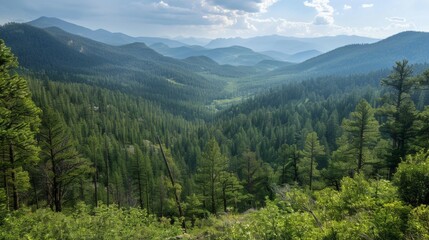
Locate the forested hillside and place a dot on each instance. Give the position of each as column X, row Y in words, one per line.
column 126, row 146
column 184, row 87
column 361, row 58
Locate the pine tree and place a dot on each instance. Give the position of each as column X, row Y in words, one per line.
column 213, row 164
column 312, row 150
column 399, row 111
column 231, row 190
column 290, row 157
column 142, row 172
column 61, row 163
column 361, row 132
column 19, row 121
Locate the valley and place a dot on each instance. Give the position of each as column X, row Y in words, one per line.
column 108, row 136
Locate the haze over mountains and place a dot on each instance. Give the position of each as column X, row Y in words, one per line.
column 99, row 35
column 359, row 57
column 362, row 58
column 174, row 65
column 290, row 45
column 269, row 47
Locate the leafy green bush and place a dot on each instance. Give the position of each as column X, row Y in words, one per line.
column 412, row 179
column 103, row 223
column 418, row 225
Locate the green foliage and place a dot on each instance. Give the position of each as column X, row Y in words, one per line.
column 308, row 165
column 3, row 205
column 212, row 167
column 290, row 156
column 362, row 209
column 418, row 225
column 399, row 111
column 102, row 223
column 61, row 163
column 361, row 131
column 19, row 121
column 412, row 179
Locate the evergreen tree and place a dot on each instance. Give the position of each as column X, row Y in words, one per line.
column 399, row 111
column 19, row 121
column 361, row 131
column 62, row 164
column 231, row 190
column 289, row 166
column 142, row 171
column 211, row 168
column 312, row 150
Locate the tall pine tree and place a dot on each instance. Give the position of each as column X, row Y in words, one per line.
column 312, row 150
column 399, row 111
column 62, row 164
column 211, row 168
column 361, row 132
column 19, row 121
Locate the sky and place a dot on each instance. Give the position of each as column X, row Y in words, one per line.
column 230, row 18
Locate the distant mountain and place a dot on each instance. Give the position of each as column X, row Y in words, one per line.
column 290, row 45
column 205, row 64
column 272, row 64
column 99, row 35
column 234, row 55
column 362, row 58
column 295, row 58
column 193, row 40
column 37, row 49
column 133, row 68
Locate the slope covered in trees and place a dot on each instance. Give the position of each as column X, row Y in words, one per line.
column 313, row 158
column 133, row 69
column 361, row 58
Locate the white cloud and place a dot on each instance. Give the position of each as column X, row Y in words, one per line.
column 216, row 18
column 367, row 5
column 396, row 19
column 249, row 6
column 325, row 12
column 161, row 4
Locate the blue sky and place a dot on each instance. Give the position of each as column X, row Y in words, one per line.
column 230, row 18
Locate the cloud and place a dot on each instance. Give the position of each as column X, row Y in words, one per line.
column 206, row 18
column 325, row 12
column 396, row 19
column 248, row 6
column 367, row 5
column 161, row 4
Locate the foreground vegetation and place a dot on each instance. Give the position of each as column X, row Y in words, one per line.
column 362, row 209
column 331, row 158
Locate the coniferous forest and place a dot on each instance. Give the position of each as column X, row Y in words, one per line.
column 191, row 150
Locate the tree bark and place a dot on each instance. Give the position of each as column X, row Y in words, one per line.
column 107, row 176
column 13, row 176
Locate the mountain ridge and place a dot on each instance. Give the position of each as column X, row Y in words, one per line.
column 100, row 35
column 360, row 58
column 290, row 45
column 234, row 55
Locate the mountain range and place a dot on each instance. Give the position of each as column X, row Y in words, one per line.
column 363, row 58
column 235, row 55
column 290, row 45
column 141, row 70
column 133, row 68
column 99, row 35
column 276, row 47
